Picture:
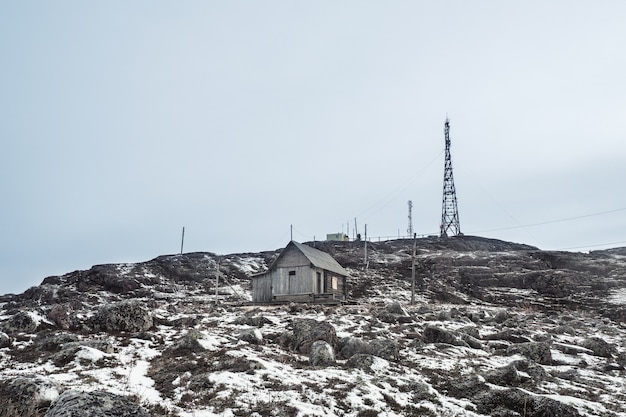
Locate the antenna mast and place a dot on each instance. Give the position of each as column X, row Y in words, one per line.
column 450, row 213
column 410, row 229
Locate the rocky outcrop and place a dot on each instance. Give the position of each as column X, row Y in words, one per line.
column 305, row 332
column 125, row 316
column 29, row 392
column 20, row 322
column 516, row 402
column 382, row 348
column 94, row 404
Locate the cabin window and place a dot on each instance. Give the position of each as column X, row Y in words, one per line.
column 335, row 283
column 292, row 274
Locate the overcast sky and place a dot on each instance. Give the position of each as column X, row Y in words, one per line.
column 123, row 122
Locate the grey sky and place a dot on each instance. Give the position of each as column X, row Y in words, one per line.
column 122, row 122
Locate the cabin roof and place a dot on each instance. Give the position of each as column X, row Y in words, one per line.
column 320, row 258
column 317, row 258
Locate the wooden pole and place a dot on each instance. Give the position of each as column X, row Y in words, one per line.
column 217, row 279
column 365, row 252
column 413, row 270
column 182, row 241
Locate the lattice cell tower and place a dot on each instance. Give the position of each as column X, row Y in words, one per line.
column 450, row 225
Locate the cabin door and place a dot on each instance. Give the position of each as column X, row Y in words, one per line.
column 320, row 283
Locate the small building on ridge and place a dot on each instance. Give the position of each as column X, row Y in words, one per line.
column 301, row 274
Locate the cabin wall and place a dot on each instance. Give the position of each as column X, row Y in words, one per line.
column 293, row 280
column 262, row 288
column 292, row 258
column 334, row 283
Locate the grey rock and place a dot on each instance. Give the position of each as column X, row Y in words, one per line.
column 466, row 386
column 321, row 354
column 361, row 361
column 33, row 390
column 599, row 347
column 514, row 402
column 69, row 350
column 501, row 316
column 536, row 351
column 60, row 315
column 54, row 342
column 505, row 376
column 94, row 404
column 186, row 344
column 307, row 331
column 351, row 346
column 471, row 341
column 21, row 322
column 509, row 335
column 434, row 334
column 421, row 391
column 252, row 336
column 396, row 308
column 5, row 341
column 255, row 321
column 125, row 316
column 384, row 348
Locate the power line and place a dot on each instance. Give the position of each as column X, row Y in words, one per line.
column 551, row 221
column 594, row 246
column 383, row 202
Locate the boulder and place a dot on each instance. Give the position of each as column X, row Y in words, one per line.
column 305, row 332
column 361, row 361
column 473, row 342
column 515, row 402
column 32, row 391
column 94, row 404
column 505, row 376
column 60, row 315
column 5, row 341
column 126, row 316
column 384, row 348
column 434, row 334
column 321, row 354
column 252, row 336
column 351, row 346
column 21, row 322
column 186, row 344
column 599, row 347
column 536, row 351
column 70, row 350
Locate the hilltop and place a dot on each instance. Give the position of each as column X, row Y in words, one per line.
column 498, row 328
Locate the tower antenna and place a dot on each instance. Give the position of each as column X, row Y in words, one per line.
column 410, row 229
column 450, row 213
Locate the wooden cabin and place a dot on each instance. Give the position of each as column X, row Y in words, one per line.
column 301, row 274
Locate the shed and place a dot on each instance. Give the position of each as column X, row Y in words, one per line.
column 301, row 274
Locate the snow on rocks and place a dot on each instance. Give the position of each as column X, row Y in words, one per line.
column 94, row 404
column 475, row 344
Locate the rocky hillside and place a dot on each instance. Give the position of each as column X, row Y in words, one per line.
column 497, row 329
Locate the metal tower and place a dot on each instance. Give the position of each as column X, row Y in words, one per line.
column 450, row 213
column 410, row 229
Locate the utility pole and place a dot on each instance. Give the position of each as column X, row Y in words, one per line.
column 182, row 241
column 450, row 212
column 413, row 269
column 365, row 251
column 217, row 279
column 410, row 229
